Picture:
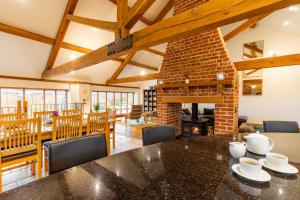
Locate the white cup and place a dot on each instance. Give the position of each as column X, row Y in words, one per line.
column 250, row 167
column 237, row 149
column 276, row 160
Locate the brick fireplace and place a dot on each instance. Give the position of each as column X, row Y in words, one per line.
column 199, row 57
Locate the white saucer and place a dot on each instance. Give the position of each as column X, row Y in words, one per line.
column 290, row 169
column 262, row 177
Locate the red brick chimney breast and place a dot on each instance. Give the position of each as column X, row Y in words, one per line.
column 200, row 56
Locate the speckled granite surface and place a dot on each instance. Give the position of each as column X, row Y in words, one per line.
column 195, row 168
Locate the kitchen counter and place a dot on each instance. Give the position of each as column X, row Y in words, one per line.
column 193, row 168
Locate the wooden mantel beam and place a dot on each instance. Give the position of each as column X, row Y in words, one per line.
column 106, row 25
column 260, row 63
column 61, row 33
column 206, row 16
column 133, row 79
column 137, row 11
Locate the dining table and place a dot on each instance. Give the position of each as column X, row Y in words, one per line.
column 189, row 168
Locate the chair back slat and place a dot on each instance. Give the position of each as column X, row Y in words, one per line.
column 20, row 136
column 97, row 123
column 13, row 116
column 71, row 112
column 66, row 127
column 44, row 115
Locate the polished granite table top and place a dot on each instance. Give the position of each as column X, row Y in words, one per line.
column 193, row 168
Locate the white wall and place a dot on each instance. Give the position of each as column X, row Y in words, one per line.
column 281, row 86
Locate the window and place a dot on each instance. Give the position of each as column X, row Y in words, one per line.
column 124, row 103
column 9, row 99
column 102, row 101
column 118, row 103
column 136, row 100
column 38, row 99
column 114, row 100
column 35, row 99
column 110, row 100
column 130, row 101
column 61, row 100
column 50, row 100
column 94, row 99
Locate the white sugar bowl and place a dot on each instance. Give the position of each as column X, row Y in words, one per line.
column 237, row 149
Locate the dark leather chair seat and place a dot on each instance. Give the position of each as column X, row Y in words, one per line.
column 66, row 154
column 157, row 134
column 281, row 126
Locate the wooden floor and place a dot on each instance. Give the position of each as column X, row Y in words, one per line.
column 127, row 138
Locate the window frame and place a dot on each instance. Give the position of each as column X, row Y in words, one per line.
column 114, row 97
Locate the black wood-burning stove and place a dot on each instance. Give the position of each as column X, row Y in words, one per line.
column 192, row 125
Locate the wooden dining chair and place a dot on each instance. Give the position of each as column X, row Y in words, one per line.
column 97, row 124
column 71, row 112
column 44, row 115
column 13, row 116
column 112, row 116
column 20, row 145
column 64, row 128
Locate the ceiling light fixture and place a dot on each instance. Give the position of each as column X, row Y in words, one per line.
column 72, row 72
column 286, row 23
column 293, row 8
column 272, row 53
column 72, row 57
column 142, row 72
column 95, row 30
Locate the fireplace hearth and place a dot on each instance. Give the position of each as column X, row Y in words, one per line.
column 192, row 125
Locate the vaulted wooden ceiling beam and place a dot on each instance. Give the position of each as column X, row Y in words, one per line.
column 253, row 64
column 250, row 22
column 154, row 51
column 122, row 12
column 206, row 16
column 46, row 40
column 71, row 5
column 164, row 11
column 106, row 25
column 137, row 64
column 122, row 66
column 133, row 79
column 143, row 19
column 40, row 38
column 137, row 11
column 261, row 63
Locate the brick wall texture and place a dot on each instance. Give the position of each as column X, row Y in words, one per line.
column 200, row 56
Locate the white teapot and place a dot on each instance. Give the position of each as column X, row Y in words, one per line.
column 237, row 149
column 259, row 144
